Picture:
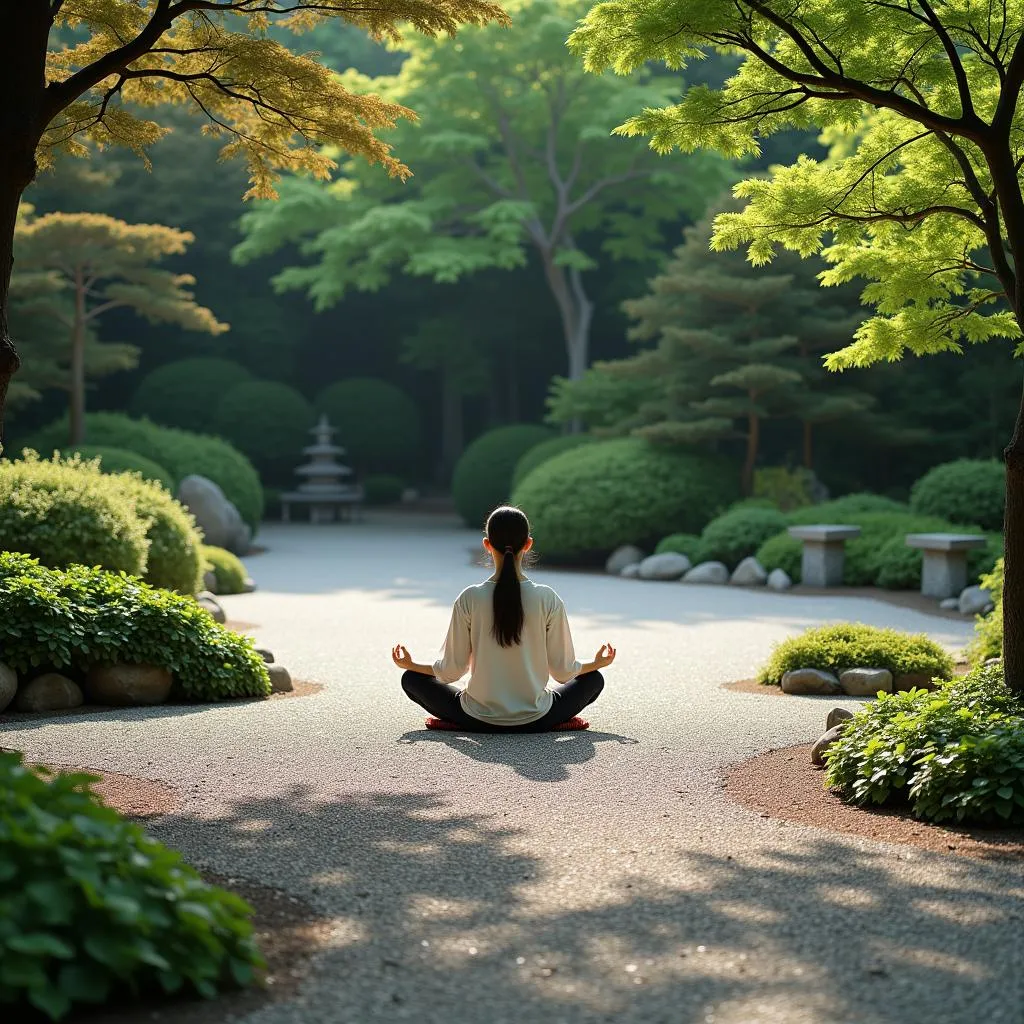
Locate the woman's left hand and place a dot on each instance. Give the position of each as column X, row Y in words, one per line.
column 401, row 657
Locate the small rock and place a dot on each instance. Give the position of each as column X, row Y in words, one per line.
column 8, row 685
column 907, row 681
column 823, row 743
column 266, row 655
column 210, row 581
column 950, row 604
column 631, row 572
column 837, row 716
column 669, row 565
column 708, row 572
column 49, row 692
column 749, row 573
column 974, row 601
column 621, row 557
column 865, row 682
column 212, row 605
column 128, row 685
column 778, row 579
column 810, row 680
column 280, row 679
column 248, row 585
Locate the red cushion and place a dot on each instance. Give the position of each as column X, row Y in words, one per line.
column 572, row 724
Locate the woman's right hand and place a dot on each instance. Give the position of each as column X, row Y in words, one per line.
column 605, row 656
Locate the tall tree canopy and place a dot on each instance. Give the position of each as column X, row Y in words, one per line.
column 922, row 194
column 272, row 106
column 512, row 155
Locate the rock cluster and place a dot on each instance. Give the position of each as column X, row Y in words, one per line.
column 630, row 562
column 853, row 682
column 835, row 723
column 220, row 521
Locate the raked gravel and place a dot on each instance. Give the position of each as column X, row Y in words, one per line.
column 583, row 877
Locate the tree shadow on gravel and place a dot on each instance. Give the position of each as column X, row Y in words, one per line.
column 448, row 915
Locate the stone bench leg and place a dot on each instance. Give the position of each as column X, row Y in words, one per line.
column 822, row 564
column 943, row 573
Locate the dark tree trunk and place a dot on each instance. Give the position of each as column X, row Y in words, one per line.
column 1013, row 548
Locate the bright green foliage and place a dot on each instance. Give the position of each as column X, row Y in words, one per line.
column 186, row 393
column 377, row 424
column 81, row 616
column 95, row 909
column 383, row 489
column 540, row 453
column 120, row 460
column 268, row 422
column 964, row 491
column 64, row 514
column 853, row 645
column 181, row 451
column 483, row 475
column 737, row 533
column 954, row 754
column 226, row 567
column 513, row 154
column 785, row 488
column 988, row 629
column 781, row 552
column 585, row 503
column 681, row 543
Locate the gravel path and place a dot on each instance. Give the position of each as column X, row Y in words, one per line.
column 570, row 877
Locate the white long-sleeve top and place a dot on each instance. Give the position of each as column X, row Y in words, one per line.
column 507, row 685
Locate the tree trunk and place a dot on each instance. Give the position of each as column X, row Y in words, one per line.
column 9, row 360
column 576, row 312
column 77, row 433
column 753, row 442
column 1013, row 548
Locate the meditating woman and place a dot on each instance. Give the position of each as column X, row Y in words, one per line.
column 510, row 634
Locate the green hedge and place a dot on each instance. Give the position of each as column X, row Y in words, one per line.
column 226, row 567
column 952, row 754
column 483, row 475
column 680, row 543
column 540, row 453
column 77, row 617
column 739, row 532
column 180, row 451
column 585, row 503
column 853, row 645
column 186, row 393
column 120, row 460
column 68, row 513
column 378, row 424
column 383, row 489
column 94, row 909
column 782, row 552
column 969, row 491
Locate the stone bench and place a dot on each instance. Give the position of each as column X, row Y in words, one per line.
column 823, row 553
column 944, row 570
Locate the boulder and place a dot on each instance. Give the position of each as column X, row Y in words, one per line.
column 810, row 680
column 749, row 573
column 248, row 585
column 708, row 572
column 219, row 520
column 280, row 679
column 266, row 655
column 631, row 572
column 212, row 605
column 950, row 604
column 210, row 581
column 8, row 685
column 865, row 682
column 628, row 554
column 667, row 566
column 974, row 601
column 824, row 742
column 908, row 680
column 49, row 692
column 778, row 579
column 128, row 685
column 837, row 716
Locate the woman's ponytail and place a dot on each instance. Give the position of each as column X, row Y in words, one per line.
column 508, row 530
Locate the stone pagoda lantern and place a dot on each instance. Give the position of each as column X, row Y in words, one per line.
column 325, row 487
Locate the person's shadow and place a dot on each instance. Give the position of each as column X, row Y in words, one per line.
column 539, row 756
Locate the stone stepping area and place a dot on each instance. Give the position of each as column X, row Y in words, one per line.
column 569, row 878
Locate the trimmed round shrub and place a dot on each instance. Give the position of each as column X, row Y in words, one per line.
column 739, row 532
column 180, row 451
column 186, row 393
column 952, row 754
column 965, row 491
column 67, row 513
column 378, row 424
column 782, row 552
column 585, row 503
column 226, row 567
column 988, row 629
column 540, row 453
column 383, row 489
column 266, row 421
column 483, row 474
column 120, row 460
column 95, row 908
column 681, row 544
column 838, row 509
column 853, row 645
column 77, row 617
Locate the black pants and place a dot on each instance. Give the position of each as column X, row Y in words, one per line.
column 442, row 701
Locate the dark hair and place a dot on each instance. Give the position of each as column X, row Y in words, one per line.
column 508, row 530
